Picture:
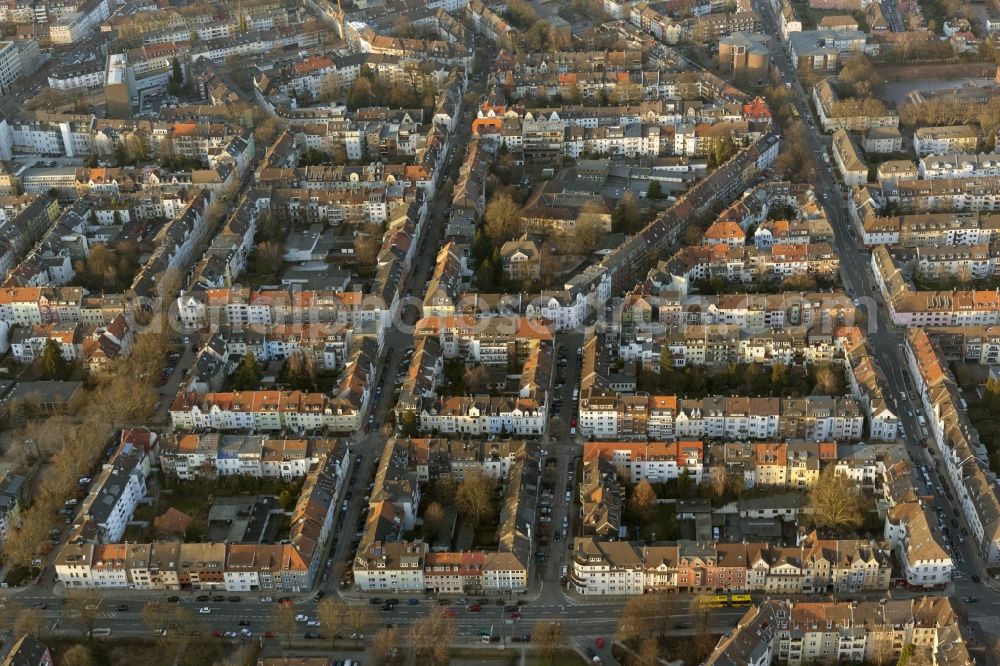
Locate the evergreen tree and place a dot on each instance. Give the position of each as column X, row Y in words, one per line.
column 177, row 76
column 53, row 361
column 247, row 375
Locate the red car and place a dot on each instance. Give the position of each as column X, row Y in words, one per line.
column 217, row 634
column 449, row 613
column 599, row 642
column 475, row 608
column 516, row 615
column 572, row 423
column 270, row 634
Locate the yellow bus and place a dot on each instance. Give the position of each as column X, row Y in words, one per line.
column 716, row 600
column 740, row 600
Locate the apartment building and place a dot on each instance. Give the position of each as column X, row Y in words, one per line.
column 115, row 493
column 10, row 66
column 723, row 344
column 866, row 379
column 825, row 50
column 656, row 462
column 190, row 456
column 608, row 415
column 76, row 26
column 805, row 632
column 883, row 140
column 945, row 140
column 769, row 259
column 794, row 464
column 815, row 566
column 848, row 160
column 486, row 337
column 928, row 229
column 523, row 417
column 959, row 261
column 933, row 167
column 825, row 101
column 432, row 458
column 602, row 498
column 910, row 529
column 912, row 308
column 240, row 307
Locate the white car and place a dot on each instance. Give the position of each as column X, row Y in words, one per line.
column 204, row 610
column 312, row 623
column 266, row 600
column 301, row 618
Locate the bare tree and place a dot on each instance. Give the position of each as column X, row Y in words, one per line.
column 474, row 378
column 586, row 236
column 269, row 256
column 244, row 655
column 24, row 543
column 835, row 502
column 880, row 650
column 30, row 621
column 359, row 618
column 503, row 219
column 635, row 621
column 549, row 637
column 157, row 617
column 718, row 479
column 385, row 645
column 366, row 249
column 433, row 519
column 283, row 620
column 474, row 497
column 78, row 655
column 829, row 380
column 330, row 613
column 643, row 500
column 431, row 636
column 556, row 428
column 649, row 652
column 702, row 609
